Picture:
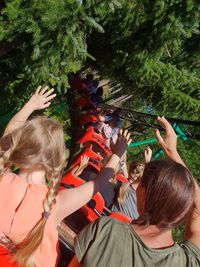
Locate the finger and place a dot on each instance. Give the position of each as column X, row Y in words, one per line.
column 125, row 133
column 47, row 105
column 44, row 90
column 159, row 137
column 164, row 123
column 128, row 136
column 49, row 98
column 49, row 92
column 85, row 158
column 120, row 132
column 147, row 149
column 129, row 142
column 75, row 169
column 38, row 89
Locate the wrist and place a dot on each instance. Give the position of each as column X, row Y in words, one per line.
column 174, row 155
column 29, row 107
column 116, row 156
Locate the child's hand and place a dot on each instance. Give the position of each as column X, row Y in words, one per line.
column 122, row 143
column 83, row 164
column 147, row 154
column 41, row 98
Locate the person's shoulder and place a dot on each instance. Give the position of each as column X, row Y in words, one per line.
column 192, row 252
column 8, row 175
column 107, row 222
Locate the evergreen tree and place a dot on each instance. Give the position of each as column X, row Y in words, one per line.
column 42, row 41
column 155, row 45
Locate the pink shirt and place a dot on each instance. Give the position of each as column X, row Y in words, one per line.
column 21, row 208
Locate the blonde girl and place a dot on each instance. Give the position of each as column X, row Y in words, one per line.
column 126, row 200
column 30, row 205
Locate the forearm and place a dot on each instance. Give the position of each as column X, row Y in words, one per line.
column 106, row 173
column 174, row 155
column 192, row 230
column 79, row 196
column 19, row 118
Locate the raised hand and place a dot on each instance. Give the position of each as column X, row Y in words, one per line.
column 122, row 143
column 83, row 164
column 169, row 141
column 41, row 98
column 147, row 154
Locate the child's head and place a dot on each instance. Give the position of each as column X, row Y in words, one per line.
column 100, row 91
column 115, row 122
column 135, row 171
column 89, row 77
column 37, row 145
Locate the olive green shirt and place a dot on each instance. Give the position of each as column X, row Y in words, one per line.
column 111, row 243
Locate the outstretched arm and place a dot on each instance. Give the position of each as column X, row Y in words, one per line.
column 39, row 100
column 168, row 143
column 71, row 200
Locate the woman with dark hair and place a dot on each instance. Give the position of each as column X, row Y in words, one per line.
column 167, row 195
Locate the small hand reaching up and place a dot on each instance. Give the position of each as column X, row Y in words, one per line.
column 83, row 164
column 42, row 97
column 147, row 154
column 122, row 143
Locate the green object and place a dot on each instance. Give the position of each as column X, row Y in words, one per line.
column 144, row 142
column 159, row 153
column 179, row 132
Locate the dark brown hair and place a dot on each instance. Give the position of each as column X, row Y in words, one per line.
column 169, row 194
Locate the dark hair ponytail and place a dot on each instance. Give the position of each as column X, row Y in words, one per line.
column 169, row 194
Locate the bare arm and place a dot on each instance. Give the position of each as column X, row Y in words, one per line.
column 123, row 166
column 39, row 100
column 72, row 199
column 192, row 231
column 168, row 143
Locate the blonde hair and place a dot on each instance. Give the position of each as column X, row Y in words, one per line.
column 38, row 144
column 135, row 172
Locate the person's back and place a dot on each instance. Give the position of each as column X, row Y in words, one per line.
column 23, row 212
column 117, row 244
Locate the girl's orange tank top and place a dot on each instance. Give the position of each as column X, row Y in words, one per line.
column 21, row 207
